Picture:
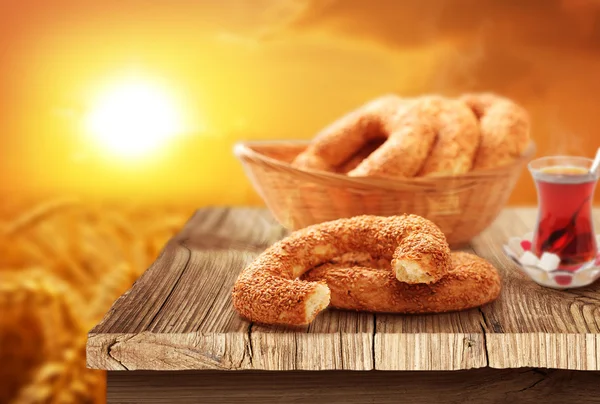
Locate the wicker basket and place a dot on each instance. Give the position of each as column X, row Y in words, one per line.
column 462, row 206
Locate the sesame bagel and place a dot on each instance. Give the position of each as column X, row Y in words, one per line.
column 269, row 289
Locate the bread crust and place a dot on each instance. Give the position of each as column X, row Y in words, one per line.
column 370, row 285
column 269, row 289
column 425, row 136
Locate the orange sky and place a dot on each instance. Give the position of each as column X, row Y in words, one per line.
column 276, row 69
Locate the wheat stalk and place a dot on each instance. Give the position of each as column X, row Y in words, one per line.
column 36, row 215
column 62, row 264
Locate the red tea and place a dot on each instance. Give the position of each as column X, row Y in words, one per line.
column 565, row 225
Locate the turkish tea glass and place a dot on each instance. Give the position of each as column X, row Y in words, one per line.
column 565, row 228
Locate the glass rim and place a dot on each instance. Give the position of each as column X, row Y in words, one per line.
column 532, row 164
column 537, row 166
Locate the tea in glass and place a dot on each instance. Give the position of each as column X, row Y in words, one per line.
column 565, row 189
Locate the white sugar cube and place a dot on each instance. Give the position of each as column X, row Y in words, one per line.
column 528, row 258
column 549, row 261
column 515, row 245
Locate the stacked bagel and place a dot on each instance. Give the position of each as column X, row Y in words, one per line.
column 431, row 135
column 395, row 264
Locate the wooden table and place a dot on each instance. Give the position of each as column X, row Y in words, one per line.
column 174, row 337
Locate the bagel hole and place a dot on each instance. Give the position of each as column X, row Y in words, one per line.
column 361, row 154
column 355, row 259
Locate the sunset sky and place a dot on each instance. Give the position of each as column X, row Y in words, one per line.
column 239, row 70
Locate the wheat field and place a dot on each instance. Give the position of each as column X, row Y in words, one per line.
column 63, row 262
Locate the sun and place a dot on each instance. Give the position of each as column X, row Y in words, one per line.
column 133, row 118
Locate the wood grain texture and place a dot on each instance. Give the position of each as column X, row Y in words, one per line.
column 451, row 341
column 179, row 316
column 523, row 386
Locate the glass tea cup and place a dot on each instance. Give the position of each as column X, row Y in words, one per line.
column 565, row 228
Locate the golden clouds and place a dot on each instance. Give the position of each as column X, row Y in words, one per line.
column 554, row 23
column 488, row 43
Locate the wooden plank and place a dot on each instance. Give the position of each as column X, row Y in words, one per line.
column 336, row 340
column 533, row 326
column 137, row 308
column 179, row 316
column 244, row 229
column 469, row 387
column 449, row 341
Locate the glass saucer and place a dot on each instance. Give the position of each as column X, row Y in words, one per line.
column 543, row 270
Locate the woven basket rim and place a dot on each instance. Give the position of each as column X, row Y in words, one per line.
column 243, row 150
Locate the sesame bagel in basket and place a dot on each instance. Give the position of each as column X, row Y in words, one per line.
column 453, row 161
column 432, row 135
